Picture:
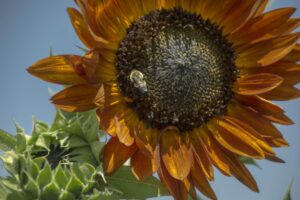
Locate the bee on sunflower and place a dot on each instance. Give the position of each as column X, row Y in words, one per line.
column 181, row 85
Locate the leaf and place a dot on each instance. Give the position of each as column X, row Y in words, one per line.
column 89, row 124
column 96, row 148
column 74, row 186
column 51, row 191
column 45, row 176
column 7, row 141
column 288, row 193
column 60, row 177
column 32, row 187
column 66, row 196
column 125, row 181
column 76, row 142
column 249, row 161
column 59, row 121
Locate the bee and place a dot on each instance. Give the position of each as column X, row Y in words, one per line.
column 138, row 82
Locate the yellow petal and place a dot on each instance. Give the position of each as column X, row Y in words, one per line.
column 147, row 138
column 76, row 98
column 176, row 155
column 254, row 84
column 294, row 55
column 115, row 154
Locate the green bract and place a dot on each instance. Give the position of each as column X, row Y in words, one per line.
column 62, row 162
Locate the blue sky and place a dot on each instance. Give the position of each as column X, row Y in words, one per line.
column 30, row 28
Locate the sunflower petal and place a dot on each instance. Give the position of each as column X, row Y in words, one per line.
column 294, row 55
column 57, row 69
column 175, row 187
column 262, row 126
column 254, row 84
column 201, row 182
column 267, row 52
column 282, row 93
column 143, row 166
column 76, row 98
column 176, row 155
column 82, row 29
column 266, row 108
column 147, row 138
column 234, row 139
column 264, row 23
column 123, row 132
column 201, row 155
column 115, row 154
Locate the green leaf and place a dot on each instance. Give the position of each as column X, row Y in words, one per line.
column 32, row 187
column 59, row 122
column 89, row 124
column 21, row 142
column 125, row 181
column 74, row 186
column 288, row 195
column 66, row 196
column 51, row 191
column 96, row 148
column 76, row 142
column 7, row 141
column 83, row 155
column 106, row 195
column 60, row 177
column 45, row 176
column 249, row 161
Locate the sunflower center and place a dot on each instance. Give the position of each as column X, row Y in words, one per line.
column 176, row 68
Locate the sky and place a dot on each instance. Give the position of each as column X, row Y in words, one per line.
column 29, row 29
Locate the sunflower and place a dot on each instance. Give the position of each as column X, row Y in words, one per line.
column 181, row 86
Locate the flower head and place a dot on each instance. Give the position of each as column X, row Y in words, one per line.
column 181, row 85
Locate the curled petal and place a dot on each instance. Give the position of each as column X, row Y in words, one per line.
column 176, row 155
column 76, row 98
column 175, row 187
column 115, row 154
column 144, row 166
column 257, row 83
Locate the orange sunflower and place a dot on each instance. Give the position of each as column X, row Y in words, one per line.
column 181, row 85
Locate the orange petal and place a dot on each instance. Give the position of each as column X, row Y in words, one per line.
column 201, row 155
column 248, row 130
column 274, row 158
column 82, row 29
column 176, row 155
column 266, row 108
column 261, row 8
column 123, row 132
column 239, row 14
column 282, row 93
column 294, row 55
column 201, row 182
column 147, row 138
column 144, row 166
column 76, row 98
column 175, row 187
column 254, row 84
column 214, row 152
column 57, row 69
column 277, row 142
column 115, row 154
column 267, row 52
column 235, row 139
column 262, row 25
column 262, row 126
column 241, row 172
